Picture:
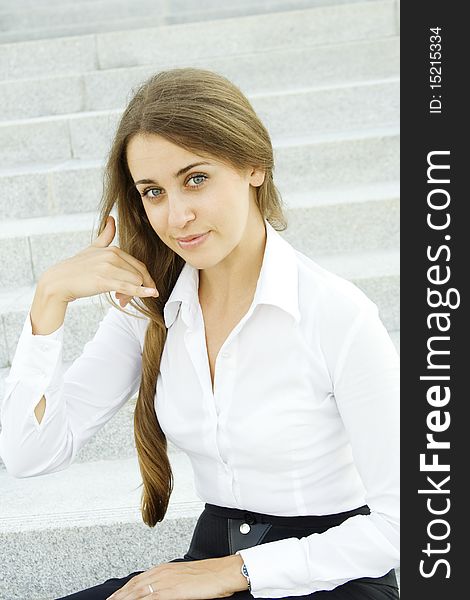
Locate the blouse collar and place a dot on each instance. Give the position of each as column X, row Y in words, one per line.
column 277, row 282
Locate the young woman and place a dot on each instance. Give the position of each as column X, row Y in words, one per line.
column 275, row 376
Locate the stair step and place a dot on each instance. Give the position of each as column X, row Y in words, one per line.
column 262, row 72
column 87, row 523
column 377, row 274
column 65, row 19
column 219, row 37
column 286, row 115
column 342, row 222
column 345, row 227
column 304, row 164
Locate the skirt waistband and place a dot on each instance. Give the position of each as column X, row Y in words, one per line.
column 291, row 521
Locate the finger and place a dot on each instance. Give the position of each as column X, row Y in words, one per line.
column 136, row 290
column 133, row 590
column 130, row 289
column 138, row 587
column 107, row 235
column 138, row 265
column 126, row 282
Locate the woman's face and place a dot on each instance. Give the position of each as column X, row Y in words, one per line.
column 211, row 199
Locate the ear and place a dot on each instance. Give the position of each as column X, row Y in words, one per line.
column 257, row 176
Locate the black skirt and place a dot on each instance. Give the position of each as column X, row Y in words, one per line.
column 218, row 533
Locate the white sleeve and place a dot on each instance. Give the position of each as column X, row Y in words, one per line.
column 366, row 388
column 78, row 402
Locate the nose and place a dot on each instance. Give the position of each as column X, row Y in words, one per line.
column 179, row 212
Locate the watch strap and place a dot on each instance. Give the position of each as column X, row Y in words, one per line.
column 244, row 572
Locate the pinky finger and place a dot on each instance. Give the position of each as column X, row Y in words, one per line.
column 128, row 290
column 144, row 291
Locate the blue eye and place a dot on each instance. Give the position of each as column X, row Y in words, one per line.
column 204, row 177
column 145, row 193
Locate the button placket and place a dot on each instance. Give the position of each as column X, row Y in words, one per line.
column 226, row 378
column 224, row 383
column 193, row 346
column 195, row 343
column 220, row 380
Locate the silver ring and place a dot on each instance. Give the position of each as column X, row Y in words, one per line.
column 151, row 589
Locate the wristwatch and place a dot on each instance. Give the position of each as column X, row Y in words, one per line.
column 244, row 572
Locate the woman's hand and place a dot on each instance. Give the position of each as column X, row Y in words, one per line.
column 100, row 268
column 189, row 580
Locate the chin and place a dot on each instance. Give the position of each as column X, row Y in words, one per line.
column 200, row 262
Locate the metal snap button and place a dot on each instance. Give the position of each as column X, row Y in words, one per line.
column 245, row 528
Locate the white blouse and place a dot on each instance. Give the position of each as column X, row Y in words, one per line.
column 303, row 420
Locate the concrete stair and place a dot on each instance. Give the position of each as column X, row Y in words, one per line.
column 287, row 115
column 322, row 23
column 54, row 18
column 323, row 75
column 88, row 537
column 316, row 165
column 260, row 72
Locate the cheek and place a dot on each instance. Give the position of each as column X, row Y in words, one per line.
column 225, row 208
column 157, row 219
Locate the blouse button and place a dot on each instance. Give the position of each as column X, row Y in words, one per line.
column 244, row 528
column 225, row 354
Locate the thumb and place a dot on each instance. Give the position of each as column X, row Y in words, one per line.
column 107, row 235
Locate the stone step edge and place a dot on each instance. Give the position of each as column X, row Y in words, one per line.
column 389, row 130
column 275, row 51
column 118, row 111
column 47, row 6
column 358, row 266
column 143, row 30
column 254, row 95
column 35, row 510
column 93, row 517
column 73, row 222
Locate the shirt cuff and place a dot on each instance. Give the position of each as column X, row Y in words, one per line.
column 36, row 362
column 266, row 581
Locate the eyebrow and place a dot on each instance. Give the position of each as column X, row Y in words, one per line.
column 180, row 172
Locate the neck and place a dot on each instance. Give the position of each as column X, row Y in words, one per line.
column 229, row 282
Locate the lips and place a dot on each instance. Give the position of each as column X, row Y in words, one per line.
column 190, row 237
column 190, row 242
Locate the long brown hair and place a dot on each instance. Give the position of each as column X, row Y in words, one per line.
column 205, row 113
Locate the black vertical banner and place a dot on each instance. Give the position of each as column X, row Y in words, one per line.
column 435, row 259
